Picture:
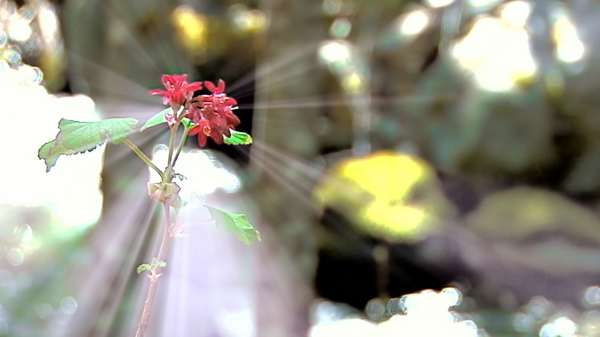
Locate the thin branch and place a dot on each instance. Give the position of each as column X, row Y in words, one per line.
column 172, row 134
column 181, row 144
column 143, row 156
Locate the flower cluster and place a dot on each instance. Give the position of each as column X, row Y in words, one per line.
column 212, row 114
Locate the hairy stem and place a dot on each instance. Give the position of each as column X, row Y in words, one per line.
column 142, row 156
column 154, row 275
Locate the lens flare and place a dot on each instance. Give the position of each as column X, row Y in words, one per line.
column 497, row 54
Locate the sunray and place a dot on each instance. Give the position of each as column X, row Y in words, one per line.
column 309, row 170
column 133, row 41
column 181, row 292
column 168, row 59
column 316, row 102
column 120, row 286
column 119, row 230
column 299, row 191
column 265, row 70
column 280, row 79
column 134, row 91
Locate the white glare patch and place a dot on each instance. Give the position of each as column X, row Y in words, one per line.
column 591, row 296
column 569, row 48
column 18, row 29
column 483, row 4
column 559, row 327
column 352, row 327
column 497, row 54
column 15, row 256
column 71, row 190
column 414, row 23
column 516, row 12
column 68, row 305
column 202, row 173
column 336, row 53
column 426, row 314
column 438, row 3
column 452, row 296
column 48, row 22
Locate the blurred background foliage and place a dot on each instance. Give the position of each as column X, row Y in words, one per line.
column 400, row 146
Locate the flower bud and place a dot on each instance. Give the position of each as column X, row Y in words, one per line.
column 164, row 192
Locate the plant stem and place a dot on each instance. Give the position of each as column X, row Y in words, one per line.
column 143, row 156
column 169, row 170
column 154, row 276
column 181, row 144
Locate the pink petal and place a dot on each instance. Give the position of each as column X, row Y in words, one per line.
column 194, row 86
column 158, row 92
column 165, row 80
column 210, row 86
column 221, row 87
column 230, row 101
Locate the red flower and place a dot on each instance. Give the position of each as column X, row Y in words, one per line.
column 213, row 114
column 178, row 90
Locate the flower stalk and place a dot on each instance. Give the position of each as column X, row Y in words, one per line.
column 167, row 235
column 142, row 156
column 212, row 117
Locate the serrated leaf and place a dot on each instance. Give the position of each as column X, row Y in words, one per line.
column 237, row 223
column 238, row 138
column 144, row 267
column 77, row 137
column 157, row 119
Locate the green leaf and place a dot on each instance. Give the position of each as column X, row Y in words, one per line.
column 155, row 120
column 237, row 223
column 238, row 138
column 160, row 118
column 144, row 267
column 77, row 137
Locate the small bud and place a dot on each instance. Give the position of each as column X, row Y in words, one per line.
column 164, row 192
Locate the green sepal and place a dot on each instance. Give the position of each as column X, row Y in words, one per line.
column 187, row 123
column 238, row 138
